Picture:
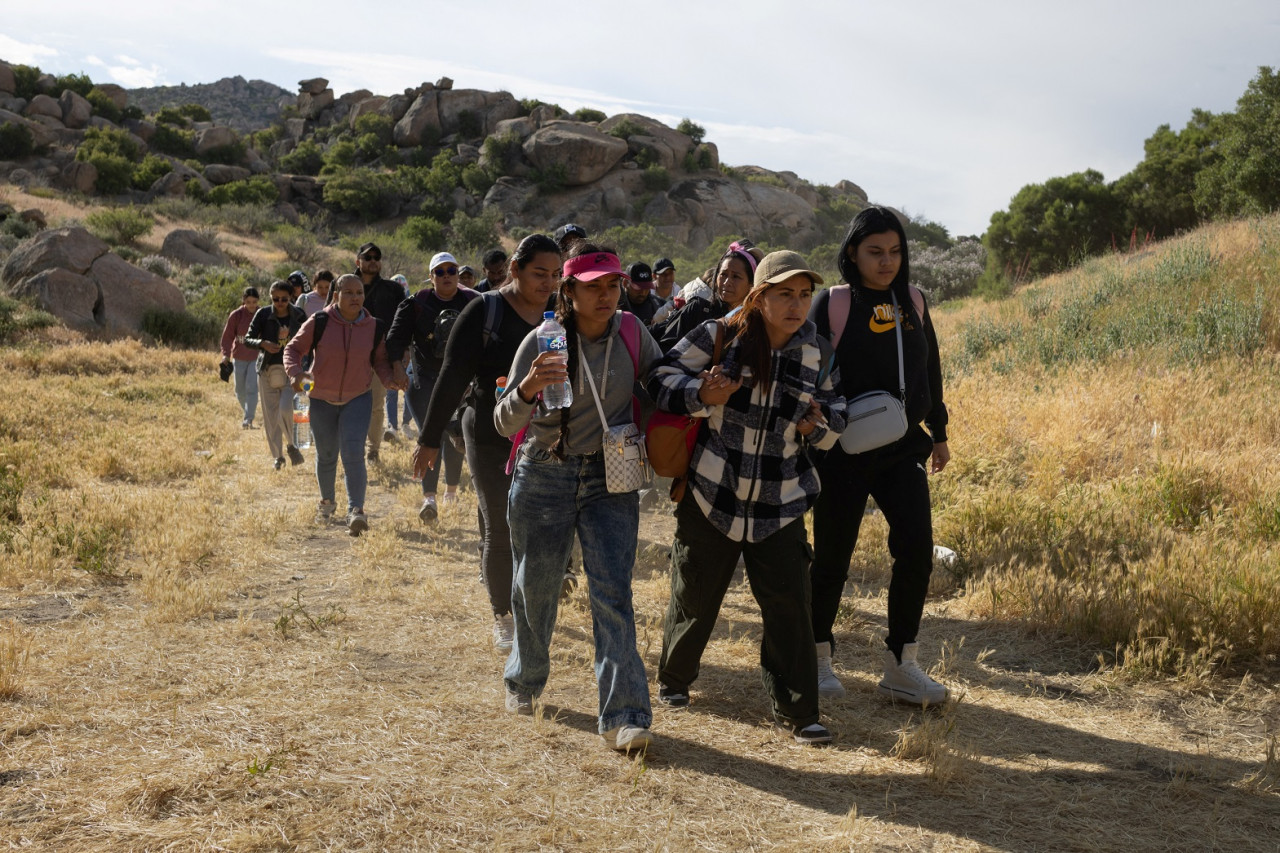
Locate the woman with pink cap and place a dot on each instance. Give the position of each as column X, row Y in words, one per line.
column 560, row 489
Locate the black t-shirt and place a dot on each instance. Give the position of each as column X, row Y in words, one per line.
column 415, row 323
column 468, row 357
column 381, row 299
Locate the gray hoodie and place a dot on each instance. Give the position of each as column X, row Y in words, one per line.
column 512, row 414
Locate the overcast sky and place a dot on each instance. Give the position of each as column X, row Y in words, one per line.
column 943, row 109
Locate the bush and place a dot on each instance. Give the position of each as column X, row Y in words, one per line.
column 476, row 180
column 150, row 170
column 16, row 142
column 656, row 178
column 696, row 132
column 229, row 154
column 500, row 152
column 365, row 192
column 24, row 81
column 17, row 317
column 105, row 140
column 469, row 124
column 589, row 115
column 115, row 174
column 550, row 179
column 119, row 226
column 103, row 105
column 180, row 329
column 257, row 190
column 947, row 273
column 176, row 142
column 474, row 234
column 78, row 83
column 195, row 112
column 424, row 232
column 170, row 116
column 340, row 157
column 299, row 245
column 379, row 125
column 625, row 129
column 158, row 264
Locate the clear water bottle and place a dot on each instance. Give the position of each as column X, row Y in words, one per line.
column 301, row 420
column 552, row 336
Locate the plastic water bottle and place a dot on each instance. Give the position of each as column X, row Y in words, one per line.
column 302, row 420
column 552, row 336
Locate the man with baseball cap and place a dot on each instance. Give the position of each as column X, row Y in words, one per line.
column 381, row 298
column 568, row 234
column 664, row 280
column 638, row 296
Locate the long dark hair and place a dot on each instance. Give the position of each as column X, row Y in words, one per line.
column 748, row 324
column 876, row 220
column 530, row 247
column 567, row 318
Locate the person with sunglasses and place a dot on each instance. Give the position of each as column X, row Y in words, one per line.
column 270, row 329
column 422, row 325
column 381, row 299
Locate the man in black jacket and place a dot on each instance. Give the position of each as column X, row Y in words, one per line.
column 381, row 298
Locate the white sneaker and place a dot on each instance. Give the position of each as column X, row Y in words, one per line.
column 907, row 682
column 829, row 687
column 504, row 632
column 628, row 738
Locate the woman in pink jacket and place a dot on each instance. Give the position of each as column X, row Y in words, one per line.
column 348, row 346
column 245, row 358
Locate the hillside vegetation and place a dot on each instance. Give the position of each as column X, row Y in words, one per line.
column 189, row 662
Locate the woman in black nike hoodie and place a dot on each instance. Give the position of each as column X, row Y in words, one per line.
column 873, row 260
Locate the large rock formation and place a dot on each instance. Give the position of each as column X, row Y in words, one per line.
column 192, row 247
column 75, row 276
column 581, row 153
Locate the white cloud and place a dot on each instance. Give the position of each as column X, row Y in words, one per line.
column 134, row 77
column 24, row 53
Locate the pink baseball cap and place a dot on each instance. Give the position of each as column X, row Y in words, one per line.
column 593, row 265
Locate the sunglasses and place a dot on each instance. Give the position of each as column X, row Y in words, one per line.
column 279, row 299
column 370, row 257
column 445, row 271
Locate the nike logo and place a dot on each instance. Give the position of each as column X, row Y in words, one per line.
column 879, row 327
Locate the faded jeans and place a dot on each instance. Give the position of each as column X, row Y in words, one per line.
column 450, row 464
column 246, row 379
column 340, row 430
column 549, row 501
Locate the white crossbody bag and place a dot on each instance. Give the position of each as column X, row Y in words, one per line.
column 626, row 465
column 876, row 418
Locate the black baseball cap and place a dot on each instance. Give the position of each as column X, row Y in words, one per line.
column 368, row 247
column 570, row 229
column 663, row 264
column 640, row 275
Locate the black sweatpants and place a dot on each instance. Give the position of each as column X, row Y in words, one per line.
column 899, row 483
column 702, row 564
column 488, row 464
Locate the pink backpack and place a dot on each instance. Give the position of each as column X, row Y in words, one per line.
column 838, row 309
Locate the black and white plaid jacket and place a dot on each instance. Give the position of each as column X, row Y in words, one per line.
column 751, row 473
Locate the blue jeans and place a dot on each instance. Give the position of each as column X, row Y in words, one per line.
column 246, row 378
column 341, row 430
column 450, row 464
column 549, row 501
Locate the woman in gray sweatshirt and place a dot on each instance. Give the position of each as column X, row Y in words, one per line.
column 559, row 489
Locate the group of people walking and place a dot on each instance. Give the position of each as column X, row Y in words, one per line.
column 764, row 364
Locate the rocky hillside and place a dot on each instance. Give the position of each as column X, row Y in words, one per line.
column 431, row 153
column 245, row 105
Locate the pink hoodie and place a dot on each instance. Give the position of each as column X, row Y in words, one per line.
column 341, row 369
column 233, row 334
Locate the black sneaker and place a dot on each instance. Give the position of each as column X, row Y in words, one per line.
column 279, row 463
column 295, row 455
column 673, row 697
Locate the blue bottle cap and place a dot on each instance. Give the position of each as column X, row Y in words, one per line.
column 548, row 315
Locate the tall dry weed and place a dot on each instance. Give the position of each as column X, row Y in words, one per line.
column 15, row 648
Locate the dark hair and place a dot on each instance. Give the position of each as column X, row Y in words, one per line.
column 281, row 285
column 869, row 221
column 532, row 246
column 564, row 313
column 323, row 275
column 249, row 291
column 493, row 256
column 720, row 264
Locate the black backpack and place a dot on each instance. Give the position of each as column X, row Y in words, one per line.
column 321, row 321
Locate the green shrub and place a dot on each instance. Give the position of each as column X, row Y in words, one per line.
column 150, row 170
column 476, row 180
column 656, row 178
column 379, row 125
column 115, row 173
column 103, row 105
column 170, row 116
column 474, row 234
column 256, row 190
column 195, row 112
column 181, row 329
column 500, row 152
column 646, row 157
column 17, row 317
column 299, row 245
column 176, row 142
column 24, row 81
column 367, row 193
column 16, row 142
column 696, row 132
column 229, row 154
column 424, row 232
column 105, row 140
column 78, row 83
column 340, row 157
column 119, row 226
column 550, row 179
column 625, row 129
column 305, row 159
column 589, row 115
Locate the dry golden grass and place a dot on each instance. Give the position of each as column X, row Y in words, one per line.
column 207, row 668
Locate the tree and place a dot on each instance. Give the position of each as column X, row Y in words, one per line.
column 1051, row 225
column 1245, row 177
column 1157, row 194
